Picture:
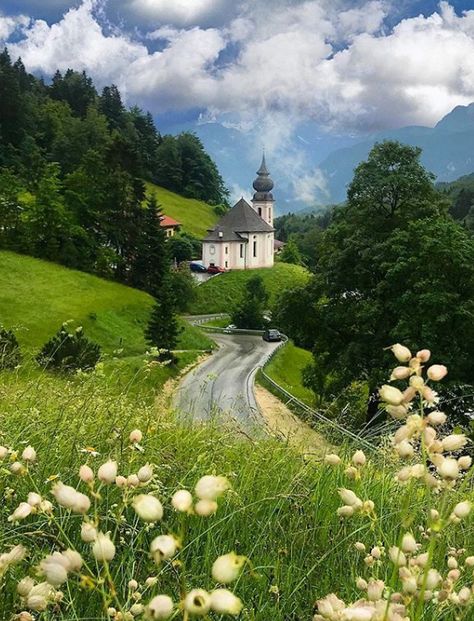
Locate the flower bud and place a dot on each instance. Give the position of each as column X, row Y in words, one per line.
column 148, row 508
column 417, row 382
column 448, row 469
column 145, row 473
column 3, row 452
column 436, row 418
column 210, row 487
column 423, row 355
column 465, row 462
column 182, row 500
column 133, row 480
column 400, row 373
column 21, row 512
column 132, row 585
column 86, row 473
column 349, row 498
column 346, row 511
column 224, row 602
column 391, row 395
column 103, row 549
column 359, row 546
column 436, row 372
column 160, row 607
column 359, row 458
column 401, row 353
column 197, row 602
column 17, row 468
column 405, row 449
column 409, row 544
column 54, row 572
column 163, row 548
column 135, row 436
column 398, row 412
column 462, row 509
column 397, row 557
column 351, row 472
column 376, row 552
column 375, row 590
column 227, row 568
column 361, row 583
column 34, row 499
column 205, row 508
column 88, row 532
column 454, row 442
column 29, row 454
column 332, row 460
column 24, row 586
column 137, row 609
column 120, row 481
column 107, row 472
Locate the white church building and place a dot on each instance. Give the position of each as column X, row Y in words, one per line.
column 244, row 237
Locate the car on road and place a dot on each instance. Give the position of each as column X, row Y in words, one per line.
column 272, row 336
column 230, row 328
column 197, row 267
column 215, row 269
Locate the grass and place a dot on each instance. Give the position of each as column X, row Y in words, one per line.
column 281, row 512
column 195, row 216
column 221, row 293
column 286, row 369
column 36, row 297
column 219, row 322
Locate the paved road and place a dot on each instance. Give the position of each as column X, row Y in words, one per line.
column 223, row 384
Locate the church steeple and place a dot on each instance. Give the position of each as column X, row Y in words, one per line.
column 263, row 184
column 262, row 200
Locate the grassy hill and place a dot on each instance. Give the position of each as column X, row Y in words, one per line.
column 219, row 294
column 195, row 216
column 36, row 297
column 286, row 368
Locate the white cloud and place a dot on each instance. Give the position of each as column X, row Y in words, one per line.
column 8, row 25
column 269, row 65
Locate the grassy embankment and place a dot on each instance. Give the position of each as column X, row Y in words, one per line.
column 195, row 216
column 36, row 297
column 286, row 367
column 221, row 293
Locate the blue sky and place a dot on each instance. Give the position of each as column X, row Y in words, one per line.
column 282, row 73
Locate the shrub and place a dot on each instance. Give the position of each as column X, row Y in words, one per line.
column 69, row 351
column 9, row 349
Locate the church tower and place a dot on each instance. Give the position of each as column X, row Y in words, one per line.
column 262, row 200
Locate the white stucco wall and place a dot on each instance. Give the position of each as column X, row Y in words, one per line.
column 227, row 254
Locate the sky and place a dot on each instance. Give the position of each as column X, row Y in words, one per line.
column 266, row 67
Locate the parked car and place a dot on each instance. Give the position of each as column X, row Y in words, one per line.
column 230, row 328
column 215, row 269
column 272, row 336
column 197, row 267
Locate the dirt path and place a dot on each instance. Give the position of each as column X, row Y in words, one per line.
column 283, row 424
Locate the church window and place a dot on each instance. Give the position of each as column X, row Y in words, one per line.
column 241, row 251
column 260, row 211
column 254, row 248
column 227, row 249
column 269, row 213
column 226, row 264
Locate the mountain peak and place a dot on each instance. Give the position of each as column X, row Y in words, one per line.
column 459, row 119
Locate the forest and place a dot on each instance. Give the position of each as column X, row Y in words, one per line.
column 73, row 166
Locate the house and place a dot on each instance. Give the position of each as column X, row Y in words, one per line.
column 171, row 226
column 244, row 237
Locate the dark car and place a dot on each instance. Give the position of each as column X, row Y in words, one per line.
column 272, row 336
column 215, row 269
column 197, row 267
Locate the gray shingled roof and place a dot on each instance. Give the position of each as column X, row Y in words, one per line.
column 242, row 218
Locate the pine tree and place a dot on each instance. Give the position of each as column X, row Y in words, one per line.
column 163, row 330
column 152, row 262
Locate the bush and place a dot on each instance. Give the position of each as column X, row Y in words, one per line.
column 69, row 351
column 9, row 349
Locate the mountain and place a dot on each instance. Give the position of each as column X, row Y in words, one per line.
column 448, row 150
column 313, row 168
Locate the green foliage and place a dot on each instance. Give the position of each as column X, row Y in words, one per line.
column 183, row 287
column 291, row 253
column 218, row 295
column 180, row 248
column 393, row 267
column 69, row 351
column 286, row 369
column 163, row 329
column 82, row 159
column 249, row 312
column 461, row 195
column 9, row 349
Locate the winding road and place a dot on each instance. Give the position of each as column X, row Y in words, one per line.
column 223, row 384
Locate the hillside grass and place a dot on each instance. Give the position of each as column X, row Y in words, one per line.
column 36, row 297
column 195, row 216
column 281, row 512
column 286, row 367
column 221, row 293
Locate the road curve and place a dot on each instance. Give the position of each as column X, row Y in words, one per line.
column 223, row 384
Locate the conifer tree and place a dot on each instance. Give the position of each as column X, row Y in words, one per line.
column 163, row 330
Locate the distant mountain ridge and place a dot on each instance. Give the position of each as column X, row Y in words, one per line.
column 448, row 150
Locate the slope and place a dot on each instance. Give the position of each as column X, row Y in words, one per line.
column 195, row 216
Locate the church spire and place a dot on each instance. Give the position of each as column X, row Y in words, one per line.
column 263, row 184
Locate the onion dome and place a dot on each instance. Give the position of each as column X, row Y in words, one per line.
column 263, row 184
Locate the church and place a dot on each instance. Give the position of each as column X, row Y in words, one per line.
column 243, row 238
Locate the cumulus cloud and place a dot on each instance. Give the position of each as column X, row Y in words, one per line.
column 8, row 25
column 269, row 65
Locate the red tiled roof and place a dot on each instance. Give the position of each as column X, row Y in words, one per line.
column 167, row 222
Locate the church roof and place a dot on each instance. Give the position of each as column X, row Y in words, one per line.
column 242, row 218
